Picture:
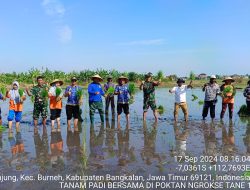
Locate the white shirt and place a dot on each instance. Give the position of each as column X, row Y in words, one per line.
column 180, row 93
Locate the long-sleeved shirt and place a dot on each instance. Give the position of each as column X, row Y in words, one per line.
column 107, row 86
column 92, row 89
column 247, row 93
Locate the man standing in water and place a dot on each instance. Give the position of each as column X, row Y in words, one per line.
column 95, row 98
column 110, row 96
column 73, row 103
column 40, row 93
column 148, row 88
column 211, row 90
column 180, row 92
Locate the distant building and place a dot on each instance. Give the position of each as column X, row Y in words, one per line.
column 202, row 76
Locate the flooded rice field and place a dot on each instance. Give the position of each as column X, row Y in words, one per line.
column 141, row 149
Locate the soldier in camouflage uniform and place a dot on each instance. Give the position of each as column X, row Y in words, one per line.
column 148, row 87
column 40, row 93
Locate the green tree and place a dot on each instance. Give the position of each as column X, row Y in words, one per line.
column 160, row 75
column 132, row 76
column 192, row 75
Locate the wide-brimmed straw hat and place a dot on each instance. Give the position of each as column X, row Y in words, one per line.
column 180, row 80
column 228, row 78
column 123, row 77
column 55, row 81
column 97, row 76
column 109, row 77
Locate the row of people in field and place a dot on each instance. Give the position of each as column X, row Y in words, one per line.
column 41, row 92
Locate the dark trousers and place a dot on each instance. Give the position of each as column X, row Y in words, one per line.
column 96, row 106
column 224, row 109
column 209, row 105
column 108, row 101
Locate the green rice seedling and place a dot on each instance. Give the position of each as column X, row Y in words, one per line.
column 44, row 93
column 2, row 128
column 194, row 97
column 111, row 90
column 79, row 94
column 243, row 112
column 160, row 109
column 227, row 90
column 246, row 173
column 3, row 90
column 32, row 99
column 131, row 88
column 21, row 92
column 58, row 91
column 201, row 102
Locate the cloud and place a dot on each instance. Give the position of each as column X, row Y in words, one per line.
column 65, row 34
column 144, row 42
column 53, row 8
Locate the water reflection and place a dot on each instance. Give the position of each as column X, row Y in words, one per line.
column 181, row 133
column 42, row 150
column 210, row 140
column 125, row 151
column 96, row 141
column 56, row 147
column 148, row 153
column 17, row 150
column 110, row 140
column 228, row 141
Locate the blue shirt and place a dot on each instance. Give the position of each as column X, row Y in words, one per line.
column 1, row 96
column 72, row 99
column 92, row 89
column 123, row 96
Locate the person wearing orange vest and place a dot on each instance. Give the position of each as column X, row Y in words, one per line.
column 55, row 96
column 227, row 92
column 16, row 105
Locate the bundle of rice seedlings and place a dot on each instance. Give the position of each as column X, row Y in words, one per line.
column 3, row 90
column 243, row 112
column 111, row 90
column 44, row 93
column 201, row 102
column 160, row 109
column 131, row 88
column 227, row 90
column 21, row 92
column 32, row 99
column 79, row 94
column 2, row 128
column 58, row 91
column 194, row 97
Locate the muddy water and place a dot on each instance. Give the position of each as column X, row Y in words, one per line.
column 140, row 148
